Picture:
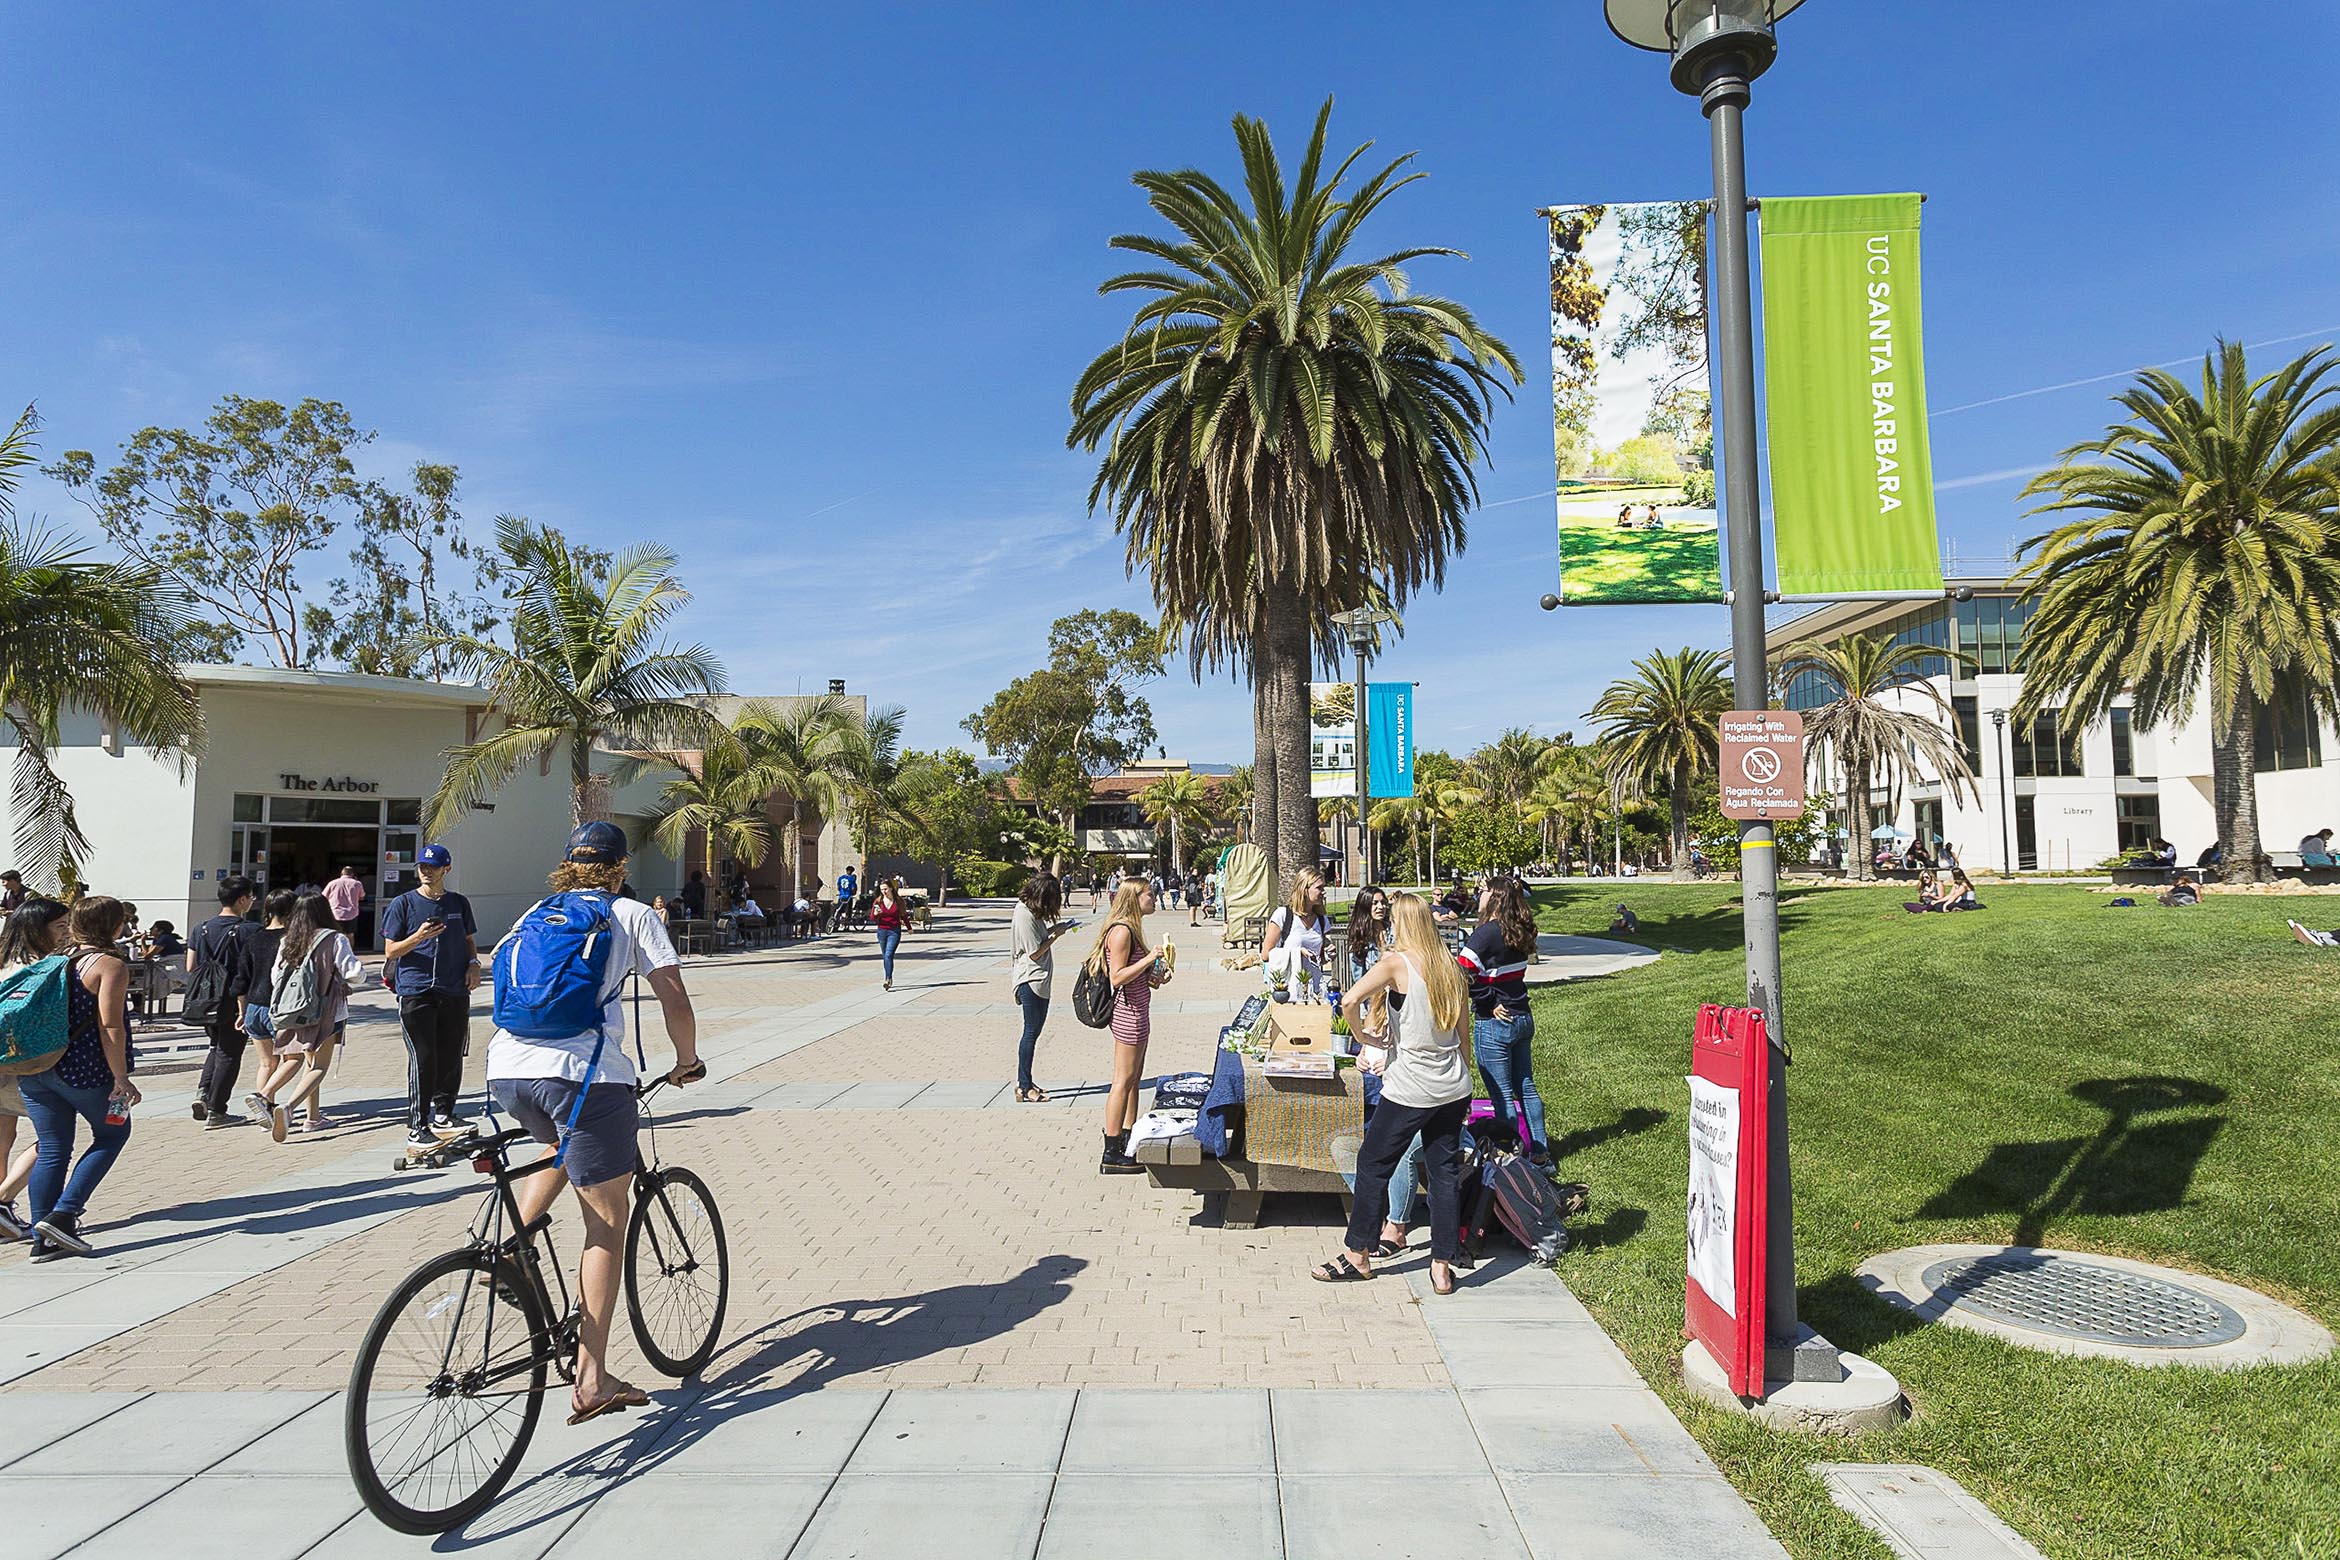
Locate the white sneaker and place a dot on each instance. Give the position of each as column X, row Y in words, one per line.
column 12, row 1226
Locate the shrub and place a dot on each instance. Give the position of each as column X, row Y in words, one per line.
column 980, row 879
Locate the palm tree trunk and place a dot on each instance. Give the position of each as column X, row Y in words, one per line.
column 2234, row 786
column 1678, row 798
column 580, row 776
column 1296, row 841
column 1264, row 788
column 1856, row 809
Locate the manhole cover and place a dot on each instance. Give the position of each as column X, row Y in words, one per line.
column 2070, row 1298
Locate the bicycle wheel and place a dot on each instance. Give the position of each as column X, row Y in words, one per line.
column 445, row 1392
column 678, row 1271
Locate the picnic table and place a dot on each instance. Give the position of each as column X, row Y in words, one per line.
column 1272, row 1135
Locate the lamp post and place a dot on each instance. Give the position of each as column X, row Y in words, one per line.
column 2006, row 796
column 1360, row 624
column 1718, row 47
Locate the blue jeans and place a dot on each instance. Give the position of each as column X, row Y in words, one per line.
column 1035, row 1008
column 52, row 1106
column 1507, row 1061
column 888, row 940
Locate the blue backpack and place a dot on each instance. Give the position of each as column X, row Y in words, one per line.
column 552, row 969
column 36, row 1021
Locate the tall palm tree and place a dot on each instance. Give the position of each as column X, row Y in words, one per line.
column 878, row 774
column 721, row 795
column 1868, row 739
column 1287, row 431
column 1180, row 803
column 1232, row 798
column 1507, row 767
column 1661, row 730
column 581, row 672
column 81, row 635
column 2207, row 552
column 809, row 749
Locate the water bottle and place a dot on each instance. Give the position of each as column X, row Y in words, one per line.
column 117, row 1109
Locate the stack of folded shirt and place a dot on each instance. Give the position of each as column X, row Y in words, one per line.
column 1161, row 1126
column 1182, row 1091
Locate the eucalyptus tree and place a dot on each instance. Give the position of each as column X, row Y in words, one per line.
column 2204, row 556
column 1661, row 730
column 1886, row 722
column 1286, row 430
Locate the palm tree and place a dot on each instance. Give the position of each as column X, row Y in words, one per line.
column 722, row 796
column 581, row 671
column 1179, row 802
column 1870, row 740
column 810, row 750
column 1662, row 730
column 879, row 776
column 1507, row 767
column 1402, row 812
column 1287, row 431
column 77, row 634
column 1232, row 797
column 2207, row 552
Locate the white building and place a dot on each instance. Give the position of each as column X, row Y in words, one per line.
column 305, row 772
column 2053, row 799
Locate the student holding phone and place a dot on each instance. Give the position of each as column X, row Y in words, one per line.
column 431, row 947
column 1032, row 934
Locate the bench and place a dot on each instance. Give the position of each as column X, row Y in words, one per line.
column 1232, row 1188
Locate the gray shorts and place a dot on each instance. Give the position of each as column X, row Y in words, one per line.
column 602, row 1145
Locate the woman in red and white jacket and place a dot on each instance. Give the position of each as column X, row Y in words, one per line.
column 1503, row 1029
column 888, row 916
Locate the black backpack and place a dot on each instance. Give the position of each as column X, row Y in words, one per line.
column 209, row 987
column 1093, row 996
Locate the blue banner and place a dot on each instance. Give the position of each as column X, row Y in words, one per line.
column 1389, row 728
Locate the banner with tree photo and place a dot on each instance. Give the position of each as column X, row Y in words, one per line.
column 1632, row 430
column 1332, row 739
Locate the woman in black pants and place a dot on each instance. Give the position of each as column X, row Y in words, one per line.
column 1424, row 1089
column 1032, row 934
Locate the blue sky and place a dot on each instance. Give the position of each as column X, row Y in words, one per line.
column 802, row 290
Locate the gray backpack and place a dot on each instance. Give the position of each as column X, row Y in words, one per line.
column 298, row 1000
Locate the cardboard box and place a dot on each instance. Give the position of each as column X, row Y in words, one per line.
column 1300, row 1028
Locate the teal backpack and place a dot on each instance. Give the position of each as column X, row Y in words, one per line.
column 35, row 1015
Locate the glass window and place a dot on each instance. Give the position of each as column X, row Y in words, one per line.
column 405, row 812
column 2286, row 736
column 2026, row 836
column 2139, row 822
column 247, row 809
column 322, row 809
column 2045, row 750
column 1969, row 727
column 2124, row 755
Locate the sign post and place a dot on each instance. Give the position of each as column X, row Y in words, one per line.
column 1729, row 1209
column 1761, row 765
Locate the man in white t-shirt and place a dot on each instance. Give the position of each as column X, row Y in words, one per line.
column 538, row 1081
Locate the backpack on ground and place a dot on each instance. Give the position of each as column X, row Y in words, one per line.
column 1526, row 1205
column 297, row 999
column 1093, row 996
column 552, row 969
column 36, row 1024
column 207, row 989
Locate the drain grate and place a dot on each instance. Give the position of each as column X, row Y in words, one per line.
column 2071, row 1298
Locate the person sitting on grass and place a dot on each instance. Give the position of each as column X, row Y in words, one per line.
column 1929, row 895
column 1960, row 894
column 2184, row 891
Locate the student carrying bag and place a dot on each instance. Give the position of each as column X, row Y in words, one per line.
column 35, row 1015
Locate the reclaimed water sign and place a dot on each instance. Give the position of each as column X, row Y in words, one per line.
column 1844, row 375
column 1760, row 766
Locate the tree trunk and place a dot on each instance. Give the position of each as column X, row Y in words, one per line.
column 1295, row 818
column 2234, row 787
column 1863, row 854
column 1678, row 800
column 1261, row 826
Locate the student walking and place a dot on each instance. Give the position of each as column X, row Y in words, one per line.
column 1503, row 1029
column 430, row 941
column 347, row 896
column 887, row 915
column 90, row 1083
column 1425, row 1090
column 1194, row 896
column 308, row 982
column 35, row 928
column 215, row 999
column 1134, row 970
column 579, row 1089
column 1032, row 933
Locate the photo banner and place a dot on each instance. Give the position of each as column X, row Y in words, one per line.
column 1844, row 377
column 1332, row 739
column 1632, row 428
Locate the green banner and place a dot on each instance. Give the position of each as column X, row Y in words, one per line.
column 1844, row 374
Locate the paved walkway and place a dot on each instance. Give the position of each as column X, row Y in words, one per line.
column 900, row 1232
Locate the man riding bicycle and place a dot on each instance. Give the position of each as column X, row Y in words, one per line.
column 539, row 1081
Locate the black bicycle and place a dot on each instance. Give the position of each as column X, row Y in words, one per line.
column 450, row 1378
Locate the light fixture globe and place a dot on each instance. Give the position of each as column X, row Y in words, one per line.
column 1697, row 32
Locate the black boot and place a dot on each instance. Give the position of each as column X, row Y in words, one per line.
column 1117, row 1160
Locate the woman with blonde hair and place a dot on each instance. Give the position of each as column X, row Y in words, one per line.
column 1122, row 957
column 1301, row 925
column 1425, row 1088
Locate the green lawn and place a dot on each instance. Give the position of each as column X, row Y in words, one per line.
column 1951, row 1071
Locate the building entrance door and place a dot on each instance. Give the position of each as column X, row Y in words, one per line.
column 314, row 853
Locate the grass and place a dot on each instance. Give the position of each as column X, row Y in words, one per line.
column 1600, row 563
column 2160, row 1084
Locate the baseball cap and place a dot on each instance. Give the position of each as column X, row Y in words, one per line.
column 597, row 841
column 435, row 856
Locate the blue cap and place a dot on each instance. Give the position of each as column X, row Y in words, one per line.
column 435, row 856
column 597, row 841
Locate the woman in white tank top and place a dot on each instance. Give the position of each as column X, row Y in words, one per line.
column 1425, row 1089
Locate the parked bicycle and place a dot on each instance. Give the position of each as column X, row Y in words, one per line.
column 450, row 1378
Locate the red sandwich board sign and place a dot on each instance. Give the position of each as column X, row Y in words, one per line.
column 1760, row 767
column 1730, row 1075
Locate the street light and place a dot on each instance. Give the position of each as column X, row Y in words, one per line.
column 1359, row 623
column 2006, row 797
column 1718, row 48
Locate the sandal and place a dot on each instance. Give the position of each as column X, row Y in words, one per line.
column 617, row 1402
column 1436, row 1287
column 1387, row 1250
column 1340, row 1270
column 1032, row 1096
